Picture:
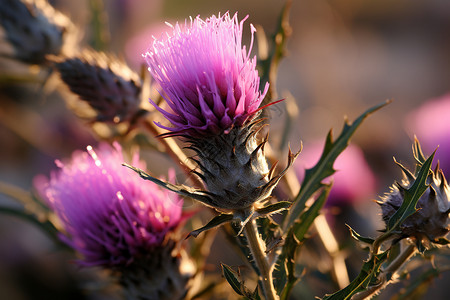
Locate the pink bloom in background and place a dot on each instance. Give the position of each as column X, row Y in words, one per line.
column 353, row 180
column 431, row 124
column 109, row 214
column 209, row 80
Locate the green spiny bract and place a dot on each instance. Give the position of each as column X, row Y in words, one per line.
column 431, row 220
column 234, row 168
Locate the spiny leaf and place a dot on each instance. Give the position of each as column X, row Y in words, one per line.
column 284, row 272
column 289, row 266
column 273, row 208
column 441, row 241
column 411, row 197
column 324, row 168
column 239, row 242
column 369, row 272
column 307, row 218
column 179, row 189
column 359, row 237
column 216, row 221
column 410, row 176
column 417, row 152
column 249, row 294
column 232, row 280
column 237, row 286
column 268, row 229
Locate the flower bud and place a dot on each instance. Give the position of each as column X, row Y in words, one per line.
column 431, row 220
column 234, row 168
column 35, row 29
column 106, row 84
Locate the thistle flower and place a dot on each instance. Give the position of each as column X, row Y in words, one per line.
column 108, row 215
column 431, row 220
column 208, row 77
column 353, row 180
column 35, row 29
column 212, row 89
column 105, row 83
column 115, row 220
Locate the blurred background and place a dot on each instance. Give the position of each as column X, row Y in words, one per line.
column 342, row 57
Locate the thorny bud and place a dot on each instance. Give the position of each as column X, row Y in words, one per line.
column 105, row 83
column 35, row 29
column 234, row 168
column 431, row 220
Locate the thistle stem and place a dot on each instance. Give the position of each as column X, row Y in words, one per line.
column 257, row 248
column 390, row 270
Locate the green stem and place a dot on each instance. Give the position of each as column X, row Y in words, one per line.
column 402, row 258
column 257, row 248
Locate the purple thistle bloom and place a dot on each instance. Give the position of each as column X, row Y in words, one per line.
column 108, row 213
column 209, row 80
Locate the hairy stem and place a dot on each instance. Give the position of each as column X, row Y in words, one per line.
column 257, row 248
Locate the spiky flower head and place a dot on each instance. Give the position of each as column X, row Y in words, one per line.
column 209, row 80
column 107, row 213
column 105, row 83
column 431, row 220
column 35, row 29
